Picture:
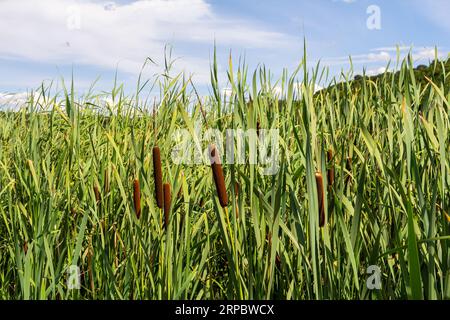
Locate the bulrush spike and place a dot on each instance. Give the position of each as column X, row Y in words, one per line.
column 330, row 172
column 97, row 193
column 219, row 179
column 167, row 200
column 137, row 197
column 157, row 176
column 320, row 198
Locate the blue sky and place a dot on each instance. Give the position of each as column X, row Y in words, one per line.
column 46, row 40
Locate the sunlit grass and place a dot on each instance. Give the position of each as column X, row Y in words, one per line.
column 71, row 180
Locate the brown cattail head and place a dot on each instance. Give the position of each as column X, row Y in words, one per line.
column 320, row 198
column 157, row 176
column 97, row 193
column 219, row 179
column 25, row 247
column 330, row 172
column 167, row 200
column 137, row 197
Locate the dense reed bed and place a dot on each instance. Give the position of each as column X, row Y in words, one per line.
column 82, row 185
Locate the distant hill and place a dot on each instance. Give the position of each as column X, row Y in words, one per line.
column 438, row 71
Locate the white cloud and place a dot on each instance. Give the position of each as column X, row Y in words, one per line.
column 427, row 54
column 382, row 56
column 386, row 54
column 376, row 71
column 14, row 101
column 392, row 48
column 106, row 34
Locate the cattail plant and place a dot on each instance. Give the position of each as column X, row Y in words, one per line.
column 330, row 172
column 320, row 198
column 137, row 197
column 219, row 179
column 97, row 194
column 167, row 200
column 157, row 176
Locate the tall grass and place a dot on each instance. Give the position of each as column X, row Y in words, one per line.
column 69, row 193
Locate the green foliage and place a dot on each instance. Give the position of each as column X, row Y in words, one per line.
column 389, row 204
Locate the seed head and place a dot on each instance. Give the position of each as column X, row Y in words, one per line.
column 157, row 176
column 219, row 179
column 167, row 200
column 320, row 198
column 137, row 197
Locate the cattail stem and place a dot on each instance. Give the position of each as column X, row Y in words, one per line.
column 137, row 197
column 167, row 200
column 219, row 179
column 157, row 176
column 320, row 198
